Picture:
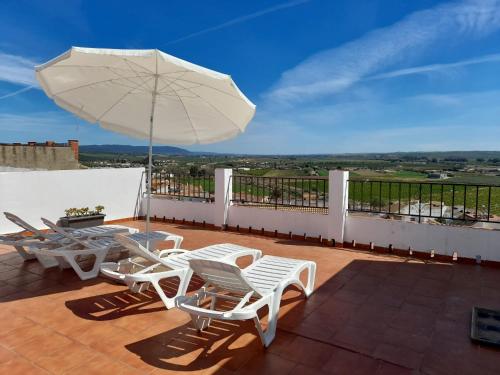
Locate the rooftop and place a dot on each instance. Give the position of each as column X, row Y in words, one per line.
column 370, row 314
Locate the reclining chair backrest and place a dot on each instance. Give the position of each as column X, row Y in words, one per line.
column 222, row 275
column 20, row 222
column 66, row 234
column 136, row 248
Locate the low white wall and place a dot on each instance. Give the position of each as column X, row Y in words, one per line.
column 284, row 221
column 170, row 208
column 296, row 222
column 443, row 239
column 31, row 195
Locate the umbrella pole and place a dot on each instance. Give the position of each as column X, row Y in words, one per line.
column 150, row 163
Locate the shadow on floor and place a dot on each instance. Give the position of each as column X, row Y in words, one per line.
column 111, row 306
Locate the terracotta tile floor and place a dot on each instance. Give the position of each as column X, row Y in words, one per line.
column 370, row 314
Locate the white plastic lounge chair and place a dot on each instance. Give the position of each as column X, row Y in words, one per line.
column 21, row 241
column 260, row 284
column 149, row 268
column 77, row 248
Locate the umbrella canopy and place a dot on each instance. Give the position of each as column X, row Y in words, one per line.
column 147, row 94
column 122, row 89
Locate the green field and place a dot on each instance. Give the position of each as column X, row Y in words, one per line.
column 380, row 196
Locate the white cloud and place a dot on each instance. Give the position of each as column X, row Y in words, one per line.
column 435, row 67
column 17, row 69
column 335, row 70
column 241, row 19
column 17, row 92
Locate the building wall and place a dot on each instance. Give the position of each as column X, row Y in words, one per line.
column 34, row 194
column 40, row 156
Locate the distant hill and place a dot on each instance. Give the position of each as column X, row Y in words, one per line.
column 442, row 155
column 132, row 150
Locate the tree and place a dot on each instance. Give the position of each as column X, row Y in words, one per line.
column 193, row 170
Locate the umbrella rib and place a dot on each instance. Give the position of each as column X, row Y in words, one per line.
column 113, row 70
column 95, row 66
column 128, row 63
column 119, row 100
column 212, row 106
column 179, row 71
column 128, row 78
column 211, row 87
column 92, row 84
column 187, row 114
column 170, row 82
column 140, row 66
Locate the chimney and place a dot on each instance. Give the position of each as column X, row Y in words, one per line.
column 73, row 143
column 50, row 143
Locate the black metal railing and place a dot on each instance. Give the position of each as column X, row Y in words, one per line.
column 299, row 193
column 183, row 185
column 441, row 201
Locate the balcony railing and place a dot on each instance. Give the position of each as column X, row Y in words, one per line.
column 183, row 186
column 444, row 202
column 297, row 193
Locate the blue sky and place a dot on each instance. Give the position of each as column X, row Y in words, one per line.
column 327, row 76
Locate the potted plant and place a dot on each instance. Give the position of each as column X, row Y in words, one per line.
column 82, row 217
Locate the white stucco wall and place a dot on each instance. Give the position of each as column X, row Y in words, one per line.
column 283, row 221
column 31, row 195
column 162, row 206
column 443, row 239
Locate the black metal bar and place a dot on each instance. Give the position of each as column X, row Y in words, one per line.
column 442, row 198
column 489, row 203
column 419, row 202
column 361, row 206
column 309, row 194
column 371, row 195
column 390, row 196
column 430, row 200
column 399, row 199
column 453, row 202
column 477, row 200
column 380, row 196
column 409, row 199
column 465, row 202
column 363, row 184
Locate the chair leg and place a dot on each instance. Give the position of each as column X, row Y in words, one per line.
column 185, row 278
column 24, row 254
column 268, row 335
column 136, row 287
column 311, row 277
column 85, row 275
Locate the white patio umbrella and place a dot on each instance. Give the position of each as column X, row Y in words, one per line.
column 147, row 94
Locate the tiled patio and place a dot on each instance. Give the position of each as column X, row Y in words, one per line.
column 370, row 314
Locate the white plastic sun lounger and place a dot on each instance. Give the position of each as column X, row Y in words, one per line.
column 77, row 248
column 30, row 235
column 260, row 284
column 156, row 266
